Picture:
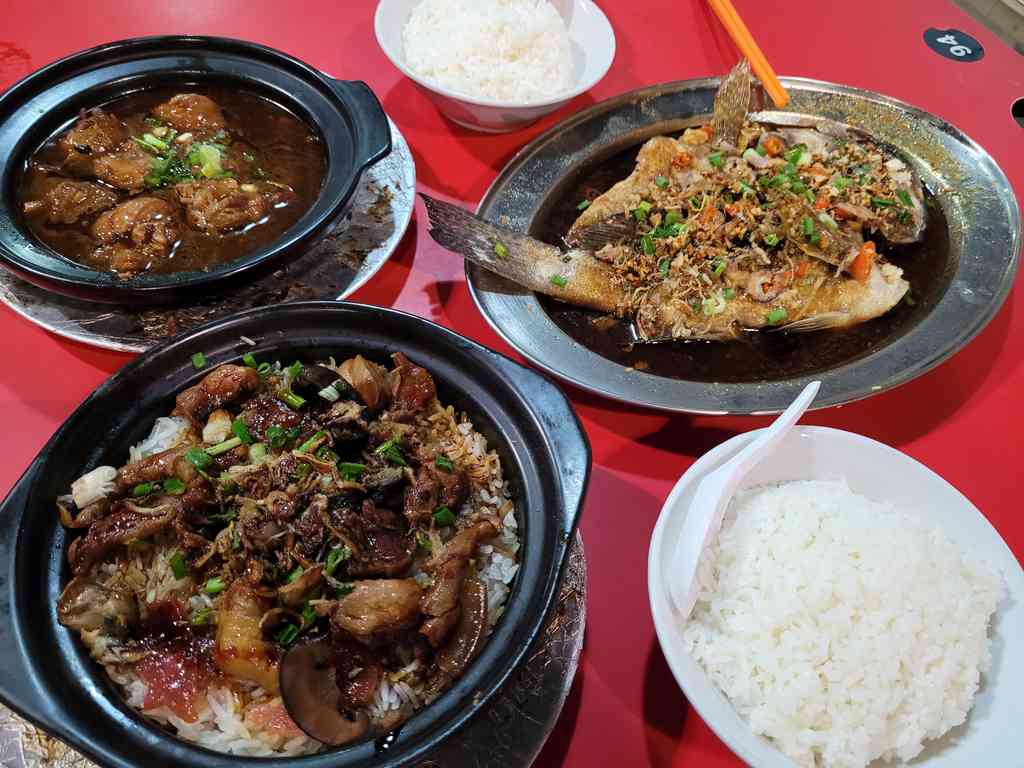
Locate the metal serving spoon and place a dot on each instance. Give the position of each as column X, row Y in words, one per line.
column 713, row 495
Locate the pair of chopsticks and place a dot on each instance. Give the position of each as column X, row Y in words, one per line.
column 751, row 51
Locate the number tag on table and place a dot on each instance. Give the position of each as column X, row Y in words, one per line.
column 953, row 44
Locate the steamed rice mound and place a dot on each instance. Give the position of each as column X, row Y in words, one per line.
column 840, row 628
column 506, row 50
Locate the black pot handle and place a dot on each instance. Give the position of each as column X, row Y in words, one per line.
column 372, row 129
column 568, row 440
column 19, row 689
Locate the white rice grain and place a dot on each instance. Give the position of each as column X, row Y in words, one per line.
column 841, row 628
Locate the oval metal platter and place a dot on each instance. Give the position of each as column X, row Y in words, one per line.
column 975, row 198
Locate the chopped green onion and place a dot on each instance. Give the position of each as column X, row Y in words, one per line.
column 776, row 316
column 714, row 305
column 241, row 431
column 663, row 266
column 660, row 182
column 295, row 574
column 443, row 516
column 326, row 454
column 287, row 635
column 697, row 204
column 584, row 204
column 336, row 557
column 291, row 399
column 174, row 486
column 312, row 442
column 715, row 158
column 264, row 369
column 761, row 151
column 881, row 202
column 257, row 452
column 904, row 197
column 201, row 617
column 841, row 182
column 443, row 462
column 424, row 541
column 308, row 613
column 672, row 218
column 641, row 212
column 303, row 471
column 718, row 267
column 345, row 588
column 815, row 238
column 391, row 451
column 294, row 370
column 214, row 586
column 293, row 433
column 776, row 181
column 808, row 226
column 558, row 280
column 729, row 294
column 351, row 472
column 227, row 445
column 793, row 155
column 828, row 221
column 647, row 245
column 746, row 189
column 276, row 436
column 771, row 239
column 798, row 187
column 178, row 566
column 500, row 249
column 198, row 360
column 236, row 539
column 208, row 158
column 144, row 489
column 199, row 458
column 905, row 217
column 249, row 360
column 809, row 195
column 329, row 393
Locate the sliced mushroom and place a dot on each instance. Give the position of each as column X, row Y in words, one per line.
column 312, row 698
column 276, row 617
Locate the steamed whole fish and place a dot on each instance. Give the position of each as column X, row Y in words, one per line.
column 733, row 226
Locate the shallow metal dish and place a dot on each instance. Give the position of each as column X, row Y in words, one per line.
column 975, row 197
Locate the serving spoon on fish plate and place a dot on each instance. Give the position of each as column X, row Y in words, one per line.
column 715, row 491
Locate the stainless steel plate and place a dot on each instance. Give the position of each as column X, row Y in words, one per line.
column 352, row 252
column 975, row 197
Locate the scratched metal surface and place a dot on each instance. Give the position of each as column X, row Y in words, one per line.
column 508, row 733
column 352, row 253
column 976, row 199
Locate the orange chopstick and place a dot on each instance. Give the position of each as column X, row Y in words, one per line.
column 732, row 22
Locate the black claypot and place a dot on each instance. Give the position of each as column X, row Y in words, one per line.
column 46, row 673
column 347, row 115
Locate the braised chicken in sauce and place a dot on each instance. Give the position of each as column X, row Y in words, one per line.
column 165, row 182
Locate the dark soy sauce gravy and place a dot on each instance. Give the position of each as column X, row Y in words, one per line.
column 283, row 147
column 758, row 355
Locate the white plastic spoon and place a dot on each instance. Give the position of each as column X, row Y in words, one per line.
column 713, row 495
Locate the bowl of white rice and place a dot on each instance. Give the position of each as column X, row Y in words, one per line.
column 854, row 609
column 497, row 65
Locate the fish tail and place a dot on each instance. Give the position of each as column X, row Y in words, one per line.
column 575, row 276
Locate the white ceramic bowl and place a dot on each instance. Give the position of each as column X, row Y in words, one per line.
column 991, row 735
column 593, row 48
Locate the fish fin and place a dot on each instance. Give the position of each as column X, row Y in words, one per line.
column 611, row 231
column 817, row 322
column 732, row 102
column 575, row 277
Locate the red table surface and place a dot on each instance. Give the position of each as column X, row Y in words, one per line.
column 962, row 419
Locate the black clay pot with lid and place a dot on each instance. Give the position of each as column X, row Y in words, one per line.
column 346, row 114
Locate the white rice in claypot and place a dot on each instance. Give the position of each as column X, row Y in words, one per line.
column 506, row 50
column 841, row 628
